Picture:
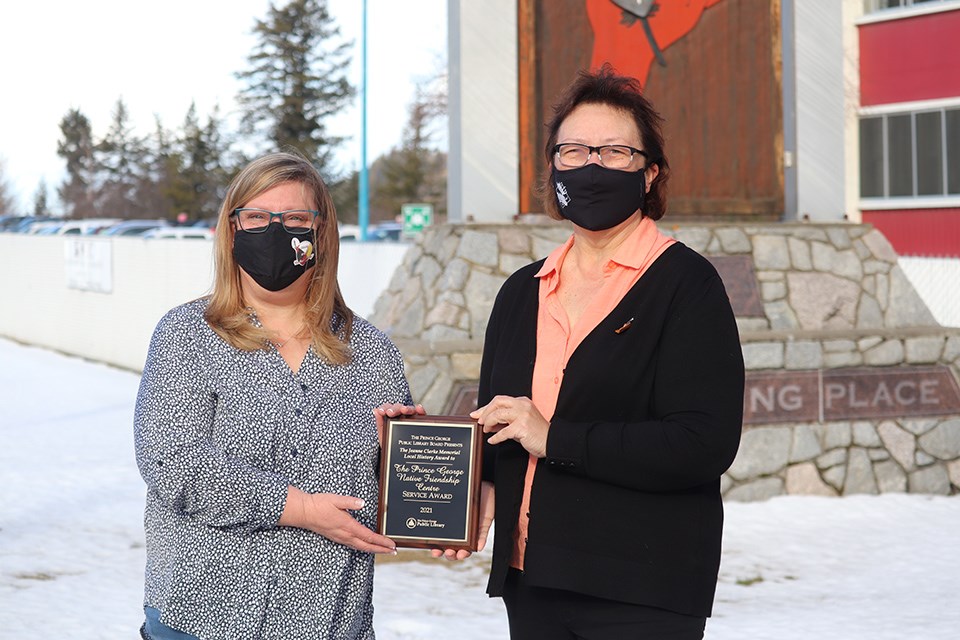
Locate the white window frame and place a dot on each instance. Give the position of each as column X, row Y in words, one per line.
column 872, row 13
column 944, row 201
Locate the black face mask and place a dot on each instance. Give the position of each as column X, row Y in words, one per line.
column 274, row 258
column 597, row 198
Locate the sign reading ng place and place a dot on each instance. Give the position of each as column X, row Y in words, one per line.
column 845, row 394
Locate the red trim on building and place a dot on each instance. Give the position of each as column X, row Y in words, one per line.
column 916, row 58
column 919, row 232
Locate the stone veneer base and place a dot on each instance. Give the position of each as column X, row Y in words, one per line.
column 832, row 297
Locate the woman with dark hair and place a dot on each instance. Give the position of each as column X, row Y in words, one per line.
column 256, row 434
column 612, row 387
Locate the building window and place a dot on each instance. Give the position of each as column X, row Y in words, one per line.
column 952, row 137
column 929, row 153
column 871, row 157
column 869, row 6
column 899, row 156
column 913, row 154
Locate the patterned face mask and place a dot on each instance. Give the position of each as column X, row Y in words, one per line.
column 274, row 258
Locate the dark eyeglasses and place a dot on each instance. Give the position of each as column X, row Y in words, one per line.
column 257, row 220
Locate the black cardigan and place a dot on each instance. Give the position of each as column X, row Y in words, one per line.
column 626, row 505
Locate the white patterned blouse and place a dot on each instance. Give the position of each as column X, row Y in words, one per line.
column 220, row 433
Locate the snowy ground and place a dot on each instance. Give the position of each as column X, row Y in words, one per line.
column 71, row 543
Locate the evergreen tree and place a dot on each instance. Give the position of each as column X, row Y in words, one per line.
column 157, row 174
column 8, row 203
column 297, row 79
column 414, row 172
column 76, row 147
column 204, row 171
column 40, row 207
column 121, row 157
column 345, row 193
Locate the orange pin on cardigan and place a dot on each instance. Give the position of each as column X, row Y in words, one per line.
column 626, row 325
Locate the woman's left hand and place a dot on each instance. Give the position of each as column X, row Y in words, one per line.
column 517, row 419
column 385, row 411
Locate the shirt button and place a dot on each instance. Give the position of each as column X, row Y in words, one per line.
column 294, row 451
column 303, row 386
column 297, row 411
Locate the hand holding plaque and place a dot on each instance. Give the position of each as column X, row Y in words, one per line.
column 430, row 482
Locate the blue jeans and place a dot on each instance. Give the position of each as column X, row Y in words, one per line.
column 153, row 629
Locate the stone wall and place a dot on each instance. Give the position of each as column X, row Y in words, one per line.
column 852, row 385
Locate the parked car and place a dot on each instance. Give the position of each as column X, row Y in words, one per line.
column 194, row 233
column 386, row 232
column 85, row 226
column 41, row 227
column 349, row 232
column 133, row 227
column 9, row 222
column 23, row 225
column 207, row 223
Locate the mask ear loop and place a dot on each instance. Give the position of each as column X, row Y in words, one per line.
column 315, row 236
column 643, row 189
column 643, row 197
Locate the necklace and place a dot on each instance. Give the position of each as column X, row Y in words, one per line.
column 279, row 345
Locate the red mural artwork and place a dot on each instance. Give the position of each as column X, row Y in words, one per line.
column 631, row 34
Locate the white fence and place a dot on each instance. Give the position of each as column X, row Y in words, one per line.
column 937, row 280
column 100, row 298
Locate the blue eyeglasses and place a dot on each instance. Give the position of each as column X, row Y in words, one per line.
column 257, row 220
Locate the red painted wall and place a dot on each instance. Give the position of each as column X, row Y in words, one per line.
column 919, row 232
column 916, row 58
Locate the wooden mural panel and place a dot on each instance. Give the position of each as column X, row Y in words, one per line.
column 712, row 69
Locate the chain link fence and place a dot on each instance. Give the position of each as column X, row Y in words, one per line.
column 937, row 280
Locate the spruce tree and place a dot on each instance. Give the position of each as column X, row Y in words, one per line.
column 413, row 172
column 40, row 206
column 76, row 147
column 158, row 171
column 345, row 193
column 296, row 80
column 120, row 164
column 204, row 171
column 8, row 203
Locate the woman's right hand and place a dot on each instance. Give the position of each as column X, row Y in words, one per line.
column 328, row 514
column 385, row 411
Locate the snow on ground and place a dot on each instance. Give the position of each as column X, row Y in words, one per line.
column 71, row 540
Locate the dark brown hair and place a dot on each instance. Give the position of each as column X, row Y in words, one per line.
column 605, row 87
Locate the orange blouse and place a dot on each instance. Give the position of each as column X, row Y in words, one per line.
column 557, row 340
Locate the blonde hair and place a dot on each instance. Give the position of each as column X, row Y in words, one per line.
column 328, row 318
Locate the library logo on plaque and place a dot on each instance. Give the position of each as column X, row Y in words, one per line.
column 430, row 482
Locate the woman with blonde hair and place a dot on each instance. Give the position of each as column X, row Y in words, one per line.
column 255, row 430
